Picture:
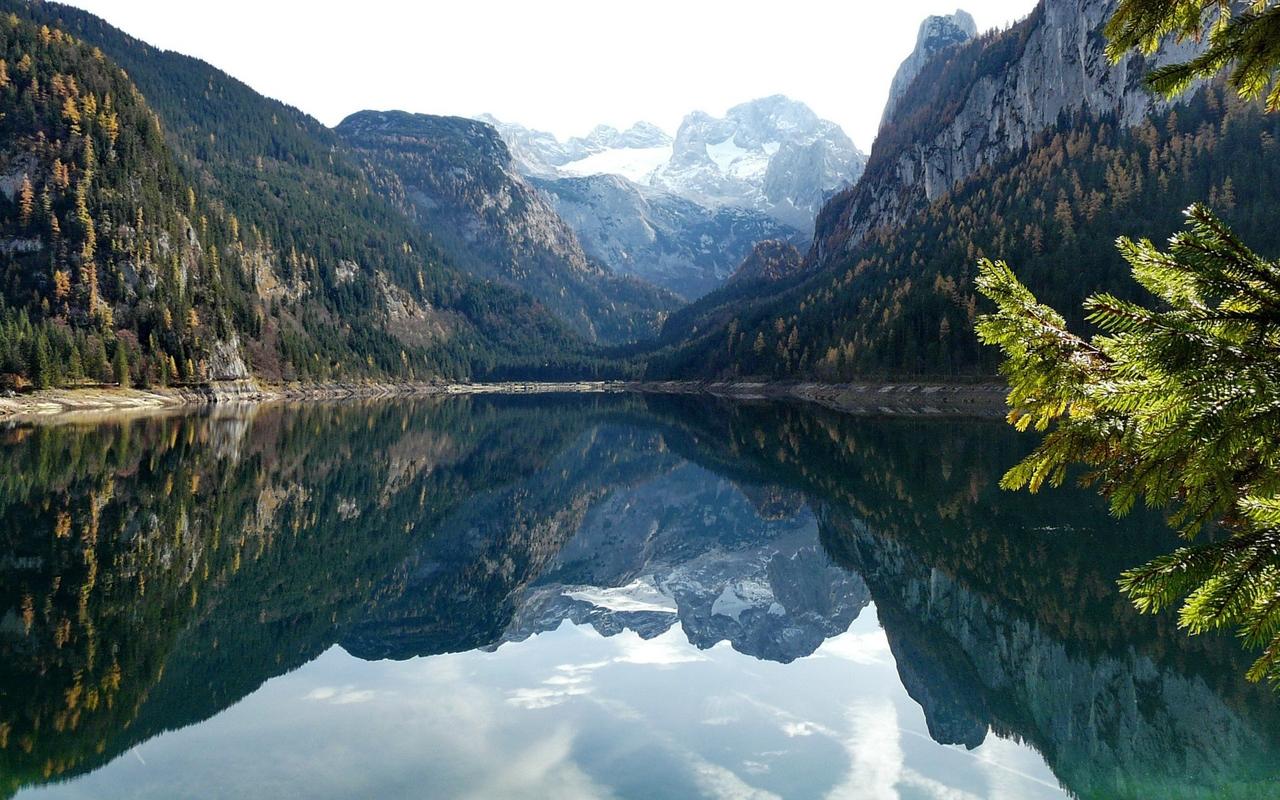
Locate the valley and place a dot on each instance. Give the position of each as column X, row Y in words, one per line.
column 559, row 399
column 405, row 247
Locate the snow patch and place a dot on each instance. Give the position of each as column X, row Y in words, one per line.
column 635, row 164
column 738, row 162
column 638, row 595
column 736, row 598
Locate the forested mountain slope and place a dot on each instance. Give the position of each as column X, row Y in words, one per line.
column 290, row 259
column 105, row 246
column 456, row 179
column 890, row 291
column 904, row 303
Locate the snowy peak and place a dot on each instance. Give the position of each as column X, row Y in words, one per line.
column 535, row 152
column 633, row 153
column 937, row 33
column 604, row 137
column 773, row 155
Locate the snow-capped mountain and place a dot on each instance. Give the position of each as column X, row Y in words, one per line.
column 634, row 153
column 773, row 155
column 657, row 236
column 683, row 212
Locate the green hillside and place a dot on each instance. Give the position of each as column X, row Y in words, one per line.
column 903, row 302
column 240, row 217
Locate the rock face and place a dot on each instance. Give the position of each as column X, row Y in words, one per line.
column 721, row 570
column 975, row 667
column 541, row 153
column 684, row 212
column 657, row 236
column 937, row 33
column 772, row 154
column 770, row 260
column 1004, row 89
column 456, row 178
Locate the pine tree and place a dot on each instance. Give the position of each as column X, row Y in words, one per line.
column 75, row 364
column 96, row 363
column 1178, row 406
column 120, row 366
column 1242, row 36
column 42, row 363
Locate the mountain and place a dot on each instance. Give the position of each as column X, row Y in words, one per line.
column 1024, row 144
column 100, row 241
column 773, row 154
column 768, row 271
column 684, row 212
column 457, row 180
column 770, row 260
column 970, row 107
column 657, row 236
column 204, row 231
column 937, row 33
column 605, row 150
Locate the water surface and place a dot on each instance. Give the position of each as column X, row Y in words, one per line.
column 588, row 597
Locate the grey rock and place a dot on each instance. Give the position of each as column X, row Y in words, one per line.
column 773, row 155
column 937, row 33
column 1056, row 66
column 658, row 236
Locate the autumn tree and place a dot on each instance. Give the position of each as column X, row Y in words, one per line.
column 26, row 201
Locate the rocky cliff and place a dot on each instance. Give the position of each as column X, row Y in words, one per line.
column 769, row 260
column 658, row 236
column 974, row 104
column 684, row 211
column 937, row 33
column 456, row 178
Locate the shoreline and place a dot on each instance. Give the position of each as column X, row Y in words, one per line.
column 877, row 398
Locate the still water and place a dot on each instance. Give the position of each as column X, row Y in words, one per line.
column 588, row 597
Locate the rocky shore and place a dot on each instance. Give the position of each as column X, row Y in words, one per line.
column 61, row 405
column 906, row 398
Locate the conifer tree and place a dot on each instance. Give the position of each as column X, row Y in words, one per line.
column 26, row 201
column 41, row 363
column 120, row 366
column 1179, row 407
column 1243, row 38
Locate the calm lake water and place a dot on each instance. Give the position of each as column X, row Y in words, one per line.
column 588, row 597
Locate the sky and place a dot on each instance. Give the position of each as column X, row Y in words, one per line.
column 558, row 65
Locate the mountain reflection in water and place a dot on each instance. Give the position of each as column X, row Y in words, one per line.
column 588, row 596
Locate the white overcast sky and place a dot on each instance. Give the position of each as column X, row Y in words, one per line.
column 558, row 65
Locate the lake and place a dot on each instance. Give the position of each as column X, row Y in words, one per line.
column 588, row 596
